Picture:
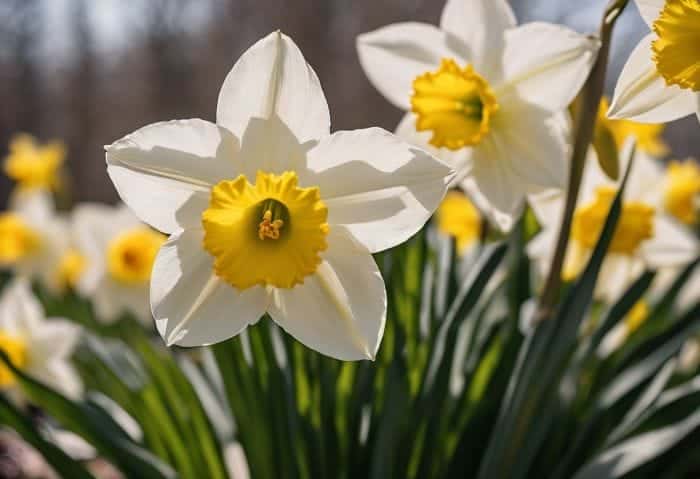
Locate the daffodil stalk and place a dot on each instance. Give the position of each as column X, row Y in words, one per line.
column 584, row 122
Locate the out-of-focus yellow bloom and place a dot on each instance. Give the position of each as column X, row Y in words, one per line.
column 675, row 50
column 648, row 135
column 130, row 255
column 70, row 268
column 636, row 316
column 16, row 350
column 682, row 192
column 458, row 217
column 34, row 166
column 17, row 239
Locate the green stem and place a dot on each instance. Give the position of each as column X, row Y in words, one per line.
column 584, row 121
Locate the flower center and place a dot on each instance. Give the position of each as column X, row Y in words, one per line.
column 682, row 193
column 458, row 217
column 17, row 239
column 636, row 223
column 675, row 51
column 16, row 351
column 130, row 255
column 648, row 135
column 34, row 166
column 70, row 268
column 455, row 103
column 269, row 233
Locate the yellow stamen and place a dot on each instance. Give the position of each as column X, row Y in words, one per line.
column 455, row 104
column 130, row 255
column 33, row 166
column 16, row 350
column 17, row 239
column 682, row 193
column 675, row 51
column 268, row 228
column 458, row 217
column 649, row 136
column 635, row 225
column 294, row 217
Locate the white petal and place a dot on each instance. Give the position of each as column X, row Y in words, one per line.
column 650, row 10
column 192, row 307
column 616, row 274
column 394, row 55
column 460, row 160
column 56, row 338
column 481, row 25
column 164, row 171
column 269, row 145
column 60, row 375
column 504, row 222
column 36, row 207
column 379, row 187
column 270, row 79
column 641, row 94
column 672, row 245
column 546, row 64
column 340, row 310
column 20, row 311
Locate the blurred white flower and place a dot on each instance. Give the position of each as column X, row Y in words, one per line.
column 268, row 212
column 661, row 79
column 119, row 254
column 485, row 95
column 35, row 241
column 646, row 237
column 38, row 346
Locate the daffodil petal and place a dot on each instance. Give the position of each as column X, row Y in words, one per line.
column 340, row 310
column 672, row 245
column 616, row 274
column 60, row 375
column 650, row 9
column 393, row 56
column 269, row 145
column 193, row 307
column 546, row 64
column 56, row 338
column 273, row 78
column 164, row 171
column 641, row 94
column 379, row 187
column 481, row 25
column 459, row 160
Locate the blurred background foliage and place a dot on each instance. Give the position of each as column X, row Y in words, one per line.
column 90, row 71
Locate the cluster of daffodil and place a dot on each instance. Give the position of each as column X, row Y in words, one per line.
column 265, row 213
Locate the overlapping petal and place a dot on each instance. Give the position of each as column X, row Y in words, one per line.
column 379, row 187
column 393, row 56
column 349, row 303
column 650, row 9
column 481, row 25
column 192, row 306
column 641, row 94
column 546, row 64
column 164, row 171
column 272, row 78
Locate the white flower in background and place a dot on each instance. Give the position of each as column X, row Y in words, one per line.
column 38, row 346
column 661, row 79
column 484, row 95
column 621, row 332
column 36, row 243
column 119, row 254
column 646, row 237
column 270, row 213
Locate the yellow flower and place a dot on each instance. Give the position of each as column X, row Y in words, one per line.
column 131, row 254
column 33, row 166
column 675, row 51
column 458, row 217
column 70, row 269
column 648, row 135
column 636, row 316
column 682, row 191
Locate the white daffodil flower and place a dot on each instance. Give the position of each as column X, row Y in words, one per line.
column 661, row 80
column 646, row 237
column 35, row 241
column 35, row 345
column 270, row 213
column 119, row 254
column 485, row 95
